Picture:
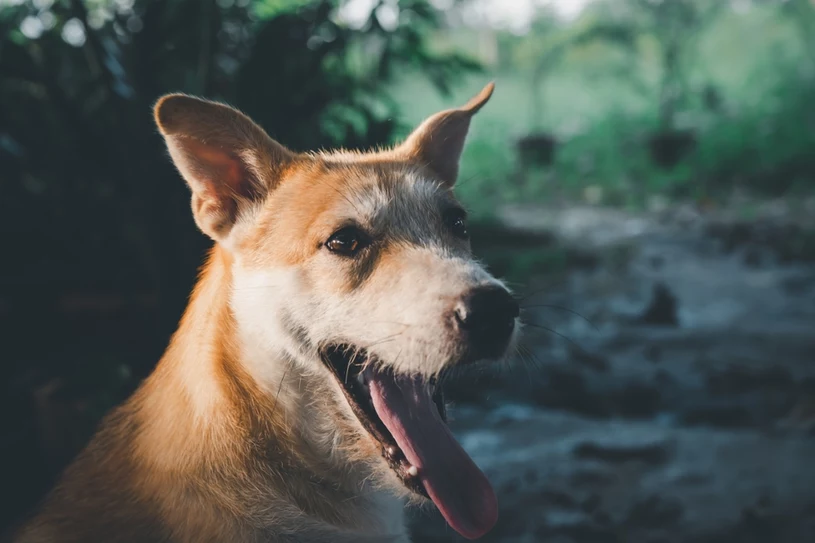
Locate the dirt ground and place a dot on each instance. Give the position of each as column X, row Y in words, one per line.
column 673, row 399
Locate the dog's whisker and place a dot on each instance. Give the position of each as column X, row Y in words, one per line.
column 384, row 340
column 555, row 332
column 564, row 309
column 528, row 295
column 280, row 386
column 468, row 179
column 519, row 354
column 389, row 322
column 532, row 357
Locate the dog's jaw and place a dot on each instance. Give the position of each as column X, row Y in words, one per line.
column 280, row 358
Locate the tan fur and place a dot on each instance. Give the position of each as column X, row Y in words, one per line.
column 239, row 435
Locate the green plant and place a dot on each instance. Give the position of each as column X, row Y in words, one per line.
column 672, row 29
column 77, row 142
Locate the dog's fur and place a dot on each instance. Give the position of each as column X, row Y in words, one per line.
column 240, row 434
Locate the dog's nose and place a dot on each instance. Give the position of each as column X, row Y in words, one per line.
column 487, row 316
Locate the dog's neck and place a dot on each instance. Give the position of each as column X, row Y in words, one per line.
column 203, row 413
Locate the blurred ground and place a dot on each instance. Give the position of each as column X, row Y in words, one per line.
column 684, row 412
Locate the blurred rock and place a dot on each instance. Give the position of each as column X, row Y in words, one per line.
column 662, row 310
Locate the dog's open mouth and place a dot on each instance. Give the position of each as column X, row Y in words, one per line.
column 406, row 417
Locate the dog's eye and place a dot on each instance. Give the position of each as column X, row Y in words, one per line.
column 456, row 220
column 347, row 241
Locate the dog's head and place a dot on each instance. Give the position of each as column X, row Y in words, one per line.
column 358, row 266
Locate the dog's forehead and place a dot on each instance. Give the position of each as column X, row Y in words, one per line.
column 395, row 200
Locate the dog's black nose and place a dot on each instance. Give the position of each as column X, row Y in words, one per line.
column 487, row 316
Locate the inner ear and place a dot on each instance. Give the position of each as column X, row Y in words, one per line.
column 228, row 161
column 222, row 170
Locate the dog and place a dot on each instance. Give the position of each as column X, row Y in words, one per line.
column 298, row 400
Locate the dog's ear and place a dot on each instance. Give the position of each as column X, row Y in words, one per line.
column 228, row 161
column 437, row 143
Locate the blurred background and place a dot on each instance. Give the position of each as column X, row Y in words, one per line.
column 644, row 177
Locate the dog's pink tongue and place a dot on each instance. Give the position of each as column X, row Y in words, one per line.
column 450, row 477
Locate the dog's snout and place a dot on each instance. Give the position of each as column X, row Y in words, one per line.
column 487, row 316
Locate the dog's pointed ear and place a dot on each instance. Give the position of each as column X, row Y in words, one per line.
column 438, row 142
column 228, row 161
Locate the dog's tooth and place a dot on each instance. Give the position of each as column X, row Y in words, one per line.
column 413, row 471
column 391, row 451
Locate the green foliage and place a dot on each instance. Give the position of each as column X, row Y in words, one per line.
column 740, row 82
column 77, row 143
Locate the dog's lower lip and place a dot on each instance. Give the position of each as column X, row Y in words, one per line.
column 348, row 364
